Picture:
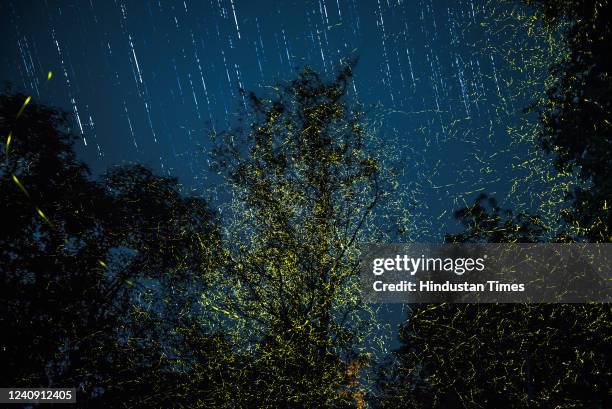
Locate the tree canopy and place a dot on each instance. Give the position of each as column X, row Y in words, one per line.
column 514, row 355
column 305, row 185
column 96, row 275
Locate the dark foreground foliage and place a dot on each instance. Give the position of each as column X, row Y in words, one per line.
column 127, row 289
column 517, row 356
column 74, row 251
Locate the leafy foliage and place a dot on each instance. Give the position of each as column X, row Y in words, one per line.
column 528, row 355
column 305, row 188
column 78, row 257
column 507, row 355
column 138, row 295
column 576, row 115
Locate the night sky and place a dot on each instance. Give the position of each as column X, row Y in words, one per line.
column 148, row 80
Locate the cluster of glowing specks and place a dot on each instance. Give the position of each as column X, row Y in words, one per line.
column 14, row 177
column 7, row 150
column 448, row 85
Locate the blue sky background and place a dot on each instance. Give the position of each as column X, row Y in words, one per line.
column 147, row 80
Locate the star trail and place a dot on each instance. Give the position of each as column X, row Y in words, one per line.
column 150, row 81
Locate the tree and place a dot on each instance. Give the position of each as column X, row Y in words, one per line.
column 507, row 355
column 576, row 115
column 98, row 278
column 135, row 294
column 529, row 355
column 305, row 185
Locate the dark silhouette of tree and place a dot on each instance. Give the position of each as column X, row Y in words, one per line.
column 305, row 186
column 506, row 355
column 130, row 291
column 486, row 222
column 577, row 113
column 545, row 356
column 98, row 278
